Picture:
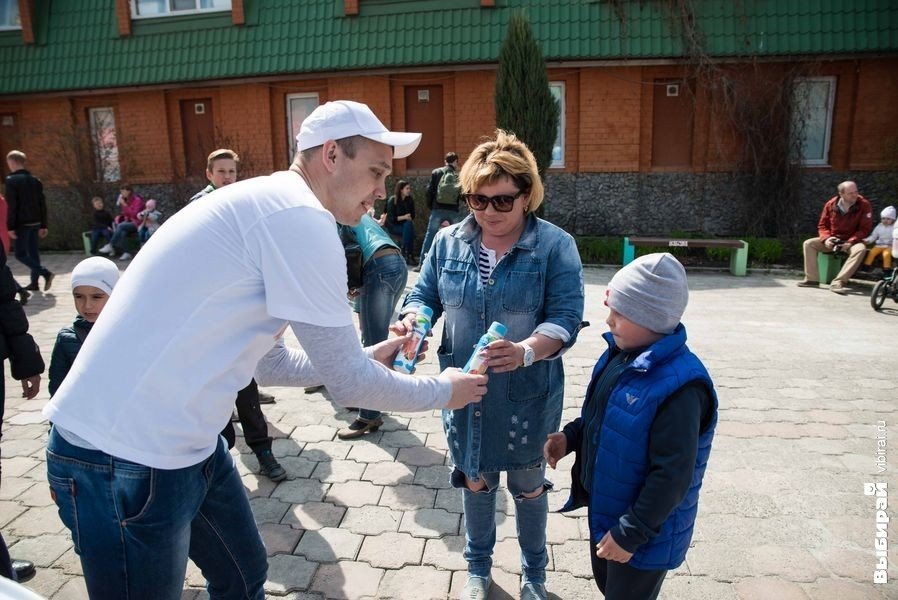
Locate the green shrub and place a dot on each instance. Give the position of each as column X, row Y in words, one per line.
column 719, row 254
column 765, row 251
column 600, row 250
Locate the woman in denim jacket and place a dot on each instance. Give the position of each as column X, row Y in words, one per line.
column 504, row 264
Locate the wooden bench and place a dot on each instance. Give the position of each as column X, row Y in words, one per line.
column 738, row 249
column 132, row 242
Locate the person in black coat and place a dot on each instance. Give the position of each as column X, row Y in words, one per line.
column 26, row 365
column 26, row 219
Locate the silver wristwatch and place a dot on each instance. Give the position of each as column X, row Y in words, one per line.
column 529, row 355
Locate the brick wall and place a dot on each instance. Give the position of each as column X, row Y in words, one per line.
column 243, row 118
column 875, row 115
column 610, row 119
column 475, row 111
column 608, row 113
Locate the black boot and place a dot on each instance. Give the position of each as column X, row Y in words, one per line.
column 24, row 569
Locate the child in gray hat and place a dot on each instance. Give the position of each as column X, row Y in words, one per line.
column 644, row 435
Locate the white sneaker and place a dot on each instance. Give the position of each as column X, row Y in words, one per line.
column 125, row 256
column 477, row 588
column 107, row 249
column 533, row 591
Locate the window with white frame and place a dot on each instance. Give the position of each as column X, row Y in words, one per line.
column 299, row 106
column 104, row 144
column 812, row 118
column 557, row 89
column 157, row 8
column 9, row 15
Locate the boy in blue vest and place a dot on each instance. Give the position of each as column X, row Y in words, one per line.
column 644, row 434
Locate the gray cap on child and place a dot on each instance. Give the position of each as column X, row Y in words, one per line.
column 651, row 291
column 97, row 272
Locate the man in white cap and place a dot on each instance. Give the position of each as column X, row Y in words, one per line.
column 136, row 421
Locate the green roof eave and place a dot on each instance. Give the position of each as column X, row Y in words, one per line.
column 78, row 46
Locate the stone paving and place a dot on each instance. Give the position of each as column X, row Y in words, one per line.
column 804, row 377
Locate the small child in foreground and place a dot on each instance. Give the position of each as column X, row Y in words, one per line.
column 92, row 282
column 644, row 435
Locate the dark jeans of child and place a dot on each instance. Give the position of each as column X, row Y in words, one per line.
column 619, row 581
column 255, row 429
column 96, row 234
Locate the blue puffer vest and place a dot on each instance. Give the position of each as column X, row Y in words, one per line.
column 622, row 457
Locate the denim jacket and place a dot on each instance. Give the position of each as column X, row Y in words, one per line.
column 539, row 281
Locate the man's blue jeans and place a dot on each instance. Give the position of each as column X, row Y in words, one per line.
column 134, row 527
column 437, row 216
column 384, row 281
column 531, row 515
column 27, row 252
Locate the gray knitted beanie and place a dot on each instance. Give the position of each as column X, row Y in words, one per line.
column 650, row 291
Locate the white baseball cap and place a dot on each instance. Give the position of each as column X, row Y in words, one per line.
column 344, row 118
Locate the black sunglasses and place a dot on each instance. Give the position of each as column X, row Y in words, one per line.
column 502, row 203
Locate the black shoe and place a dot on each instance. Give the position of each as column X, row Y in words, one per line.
column 24, row 569
column 48, row 281
column 358, row 428
column 33, row 287
column 265, row 398
column 24, row 295
column 269, row 466
column 417, row 268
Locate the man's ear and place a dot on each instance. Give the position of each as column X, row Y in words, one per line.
column 329, row 151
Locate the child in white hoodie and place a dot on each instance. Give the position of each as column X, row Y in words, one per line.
column 881, row 238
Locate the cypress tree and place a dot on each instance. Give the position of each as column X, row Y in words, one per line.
column 524, row 104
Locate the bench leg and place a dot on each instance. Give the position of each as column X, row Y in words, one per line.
column 739, row 260
column 629, row 252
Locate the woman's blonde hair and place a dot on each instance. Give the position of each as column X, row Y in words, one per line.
column 505, row 156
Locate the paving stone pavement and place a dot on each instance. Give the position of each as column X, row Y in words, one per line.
column 804, row 377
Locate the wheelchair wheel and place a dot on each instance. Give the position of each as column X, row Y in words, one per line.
column 879, row 294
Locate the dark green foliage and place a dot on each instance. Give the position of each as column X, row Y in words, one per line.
column 524, row 104
column 600, row 250
column 764, row 251
column 718, row 254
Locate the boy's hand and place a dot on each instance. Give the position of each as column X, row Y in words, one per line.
column 608, row 549
column 555, row 448
column 31, row 386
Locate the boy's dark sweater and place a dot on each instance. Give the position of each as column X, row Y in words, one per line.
column 673, row 446
column 102, row 219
